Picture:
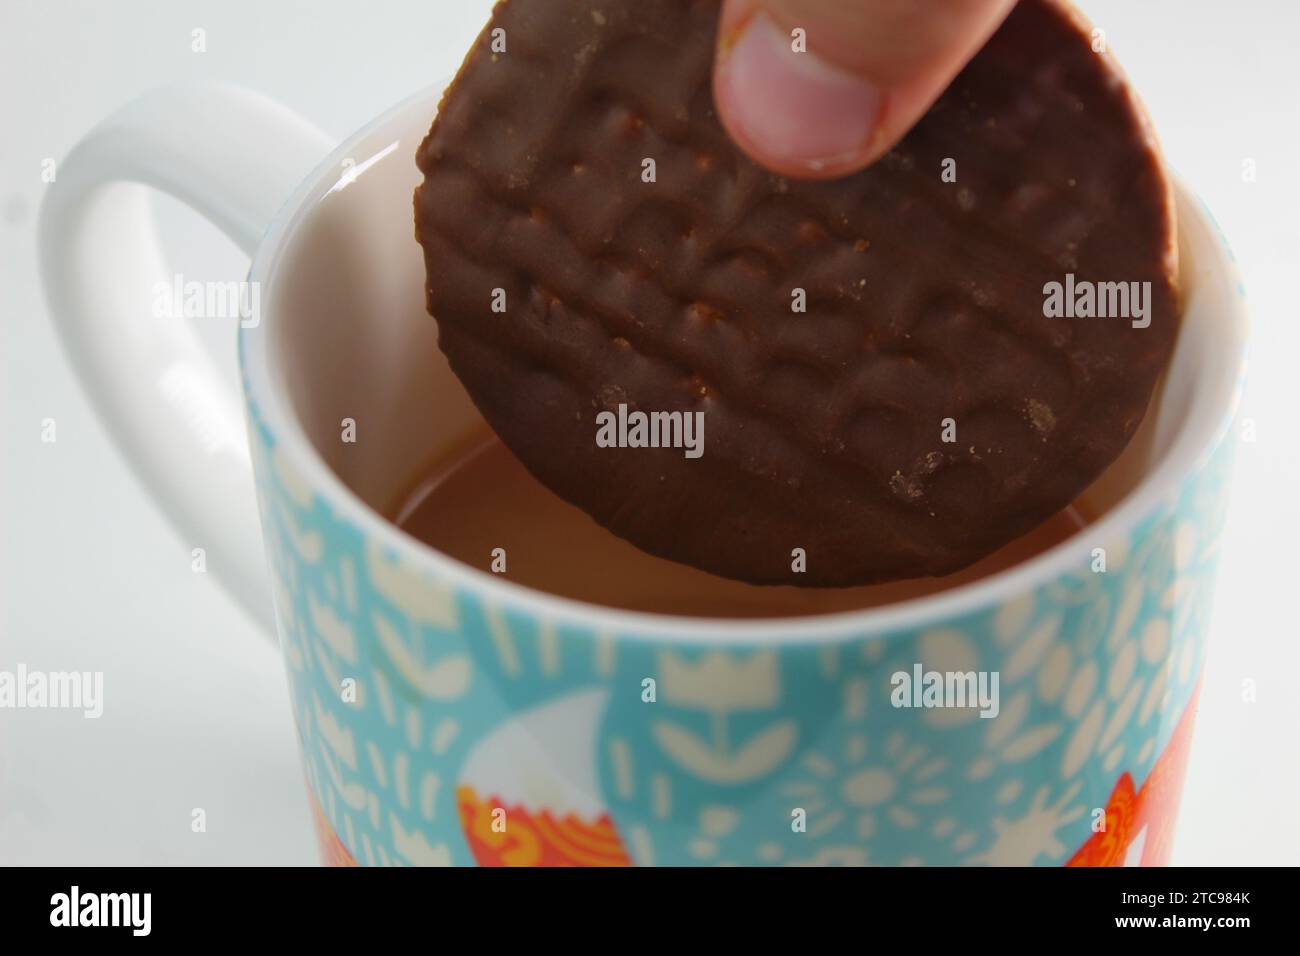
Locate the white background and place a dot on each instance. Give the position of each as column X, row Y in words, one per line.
column 196, row 710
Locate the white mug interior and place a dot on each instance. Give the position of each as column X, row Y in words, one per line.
column 345, row 334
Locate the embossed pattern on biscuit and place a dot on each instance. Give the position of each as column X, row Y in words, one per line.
column 924, row 298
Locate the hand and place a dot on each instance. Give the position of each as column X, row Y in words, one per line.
column 867, row 71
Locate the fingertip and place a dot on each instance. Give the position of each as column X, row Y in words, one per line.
column 787, row 108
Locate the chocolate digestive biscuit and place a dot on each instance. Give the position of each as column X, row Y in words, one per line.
column 897, row 371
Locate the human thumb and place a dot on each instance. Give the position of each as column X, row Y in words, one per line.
column 818, row 89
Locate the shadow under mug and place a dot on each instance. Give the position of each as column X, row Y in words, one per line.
column 448, row 716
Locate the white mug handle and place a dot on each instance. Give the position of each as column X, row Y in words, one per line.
column 234, row 156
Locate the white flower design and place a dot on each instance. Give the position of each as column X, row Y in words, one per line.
column 1021, row 842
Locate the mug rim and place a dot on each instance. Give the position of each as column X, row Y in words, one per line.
column 267, row 402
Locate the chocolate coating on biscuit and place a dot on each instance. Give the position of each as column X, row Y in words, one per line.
column 924, row 299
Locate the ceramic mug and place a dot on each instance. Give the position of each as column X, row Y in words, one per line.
column 449, row 716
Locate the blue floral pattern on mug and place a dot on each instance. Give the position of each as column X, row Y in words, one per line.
column 441, row 728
